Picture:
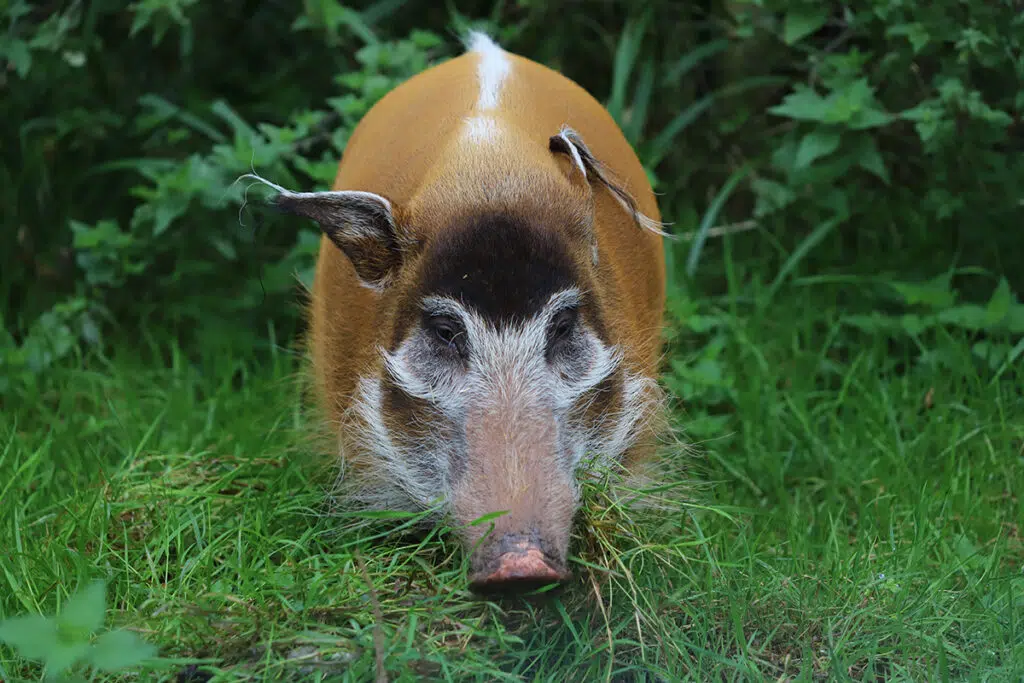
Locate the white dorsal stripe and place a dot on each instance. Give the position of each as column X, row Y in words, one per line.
column 481, row 128
column 493, row 69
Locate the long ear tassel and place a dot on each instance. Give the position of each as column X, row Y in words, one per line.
column 361, row 224
column 568, row 141
column 562, row 144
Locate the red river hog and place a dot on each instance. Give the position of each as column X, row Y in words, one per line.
column 485, row 320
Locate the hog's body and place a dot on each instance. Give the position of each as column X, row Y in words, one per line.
column 486, row 312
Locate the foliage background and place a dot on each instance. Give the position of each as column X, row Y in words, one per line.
column 893, row 124
column 865, row 157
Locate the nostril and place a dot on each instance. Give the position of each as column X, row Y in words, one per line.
column 517, row 571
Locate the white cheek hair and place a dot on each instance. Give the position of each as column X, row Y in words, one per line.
column 508, row 360
column 640, row 402
column 443, row 387
column 605, row 360
column 383, row 477
column 397, row 366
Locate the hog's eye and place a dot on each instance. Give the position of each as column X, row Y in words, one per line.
column 448, row 332
column 561, row 328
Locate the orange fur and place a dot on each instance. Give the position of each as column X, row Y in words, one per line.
column 414, row 149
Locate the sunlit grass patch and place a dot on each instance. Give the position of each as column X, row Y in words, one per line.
column 833, row 516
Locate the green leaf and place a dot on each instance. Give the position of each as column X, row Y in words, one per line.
column 913, row 324
column 874, row 323
column 484, row 519
column 226, row 249
column 999, row 305
column 803, row 104
column 16, row 53
column 968, row 317
column 120, row 649
column 64, row 655
column 856, row 106
column 83, row 613
column 870, row 159
column 707, row 371
column 927, row 117
column 968, row 552
column 993, row 354
column 816, row 144
column 106, row 234
column 1015, row 319
column 1011, row 358
column 771, row 196
column 853, row 104
column 804, row 20
column 166, row 213
column 935, row 294
column 33, row 635
column 869, row 118
column 916, row 33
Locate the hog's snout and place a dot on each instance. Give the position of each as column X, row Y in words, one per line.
column 517, row 564
column 513, row 467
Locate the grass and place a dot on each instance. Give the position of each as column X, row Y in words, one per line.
column 856, row 516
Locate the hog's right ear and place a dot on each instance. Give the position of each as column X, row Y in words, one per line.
column 361, row 224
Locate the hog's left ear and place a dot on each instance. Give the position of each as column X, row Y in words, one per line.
column 569, row 142
column 361, row 224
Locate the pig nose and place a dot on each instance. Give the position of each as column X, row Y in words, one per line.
column 521, row 566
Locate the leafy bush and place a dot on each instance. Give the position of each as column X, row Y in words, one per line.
column 134, row 163
column 846, row 135
column 901, row 103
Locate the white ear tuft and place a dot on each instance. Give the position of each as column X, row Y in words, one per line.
column 361, row 224
column 568, row 141
column 573, row 152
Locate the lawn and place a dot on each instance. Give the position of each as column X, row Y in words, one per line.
column 853, row 512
